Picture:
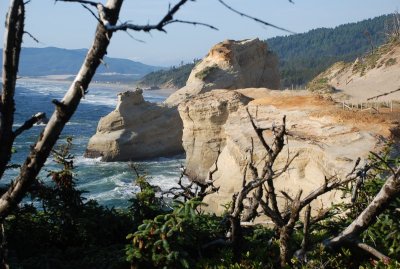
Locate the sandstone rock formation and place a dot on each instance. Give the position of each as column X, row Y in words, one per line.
column 231, row 65
column 136, row 130
column 204, row 136
column 327, row 139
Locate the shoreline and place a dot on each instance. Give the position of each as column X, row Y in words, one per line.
column 118, row 87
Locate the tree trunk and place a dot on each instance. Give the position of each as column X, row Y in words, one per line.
column 11, row 52
column 237, row 238
column 62, row 113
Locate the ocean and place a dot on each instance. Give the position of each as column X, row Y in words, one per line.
column 111, row 184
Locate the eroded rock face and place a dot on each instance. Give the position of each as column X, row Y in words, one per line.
column 204, row 135
column 136, row 130
column 231, row 65
column 328, row 143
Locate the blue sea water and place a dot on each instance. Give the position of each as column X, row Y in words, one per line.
column 111, row 184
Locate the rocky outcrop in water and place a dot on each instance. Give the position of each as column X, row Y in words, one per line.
column 327, row 139
column 231, row 65
column 136, row 130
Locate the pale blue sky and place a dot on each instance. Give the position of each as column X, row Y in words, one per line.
column 68, row 25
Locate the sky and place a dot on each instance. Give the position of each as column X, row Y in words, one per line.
column 69, row 25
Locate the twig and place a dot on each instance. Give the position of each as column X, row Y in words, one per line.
column 29, row 123
column 383, row 94
column 80, row 1
column 259, row 132
column 384, row 162
column 253, row 18
column 91, row 12
column 31, row 36
column 374, row 252
column 167, row 19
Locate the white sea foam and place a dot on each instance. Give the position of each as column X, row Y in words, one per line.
column 97, row 99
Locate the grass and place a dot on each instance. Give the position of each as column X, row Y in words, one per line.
column 206, row 72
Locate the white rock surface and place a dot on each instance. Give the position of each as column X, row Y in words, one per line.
column 136, row 130
column 231, row 65
column 328, row 142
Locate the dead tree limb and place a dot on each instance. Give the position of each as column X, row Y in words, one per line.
column 286, row 231
column 195, row 188
column 167, row 19
column 253, row 18
column 256, row 184
column 12, row 47
column 62, row 113
column 383, row 94
column 301, row 253
column 389, row 191
column 38, row 117
column 372, row 251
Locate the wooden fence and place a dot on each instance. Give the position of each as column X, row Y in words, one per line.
column 373, row 107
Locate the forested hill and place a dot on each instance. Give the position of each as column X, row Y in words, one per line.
column 303, row 56
column 174, row 77
column 58, row 61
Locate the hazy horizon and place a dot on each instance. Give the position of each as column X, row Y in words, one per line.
column 186, row 42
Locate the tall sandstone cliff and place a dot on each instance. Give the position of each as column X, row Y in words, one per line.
column 231, row 65
column 217, row 130
column 139, row 130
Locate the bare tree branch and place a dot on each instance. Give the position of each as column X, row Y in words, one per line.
column 259, row 132
column 29, row 123
column 388, row 192
column 383, row 94
column 374, row 252
column 194, row 23
column 91, row 3
column 91, row 12
column 167, row 19
column 301, row 253
column 253, row 18
column 31, row 36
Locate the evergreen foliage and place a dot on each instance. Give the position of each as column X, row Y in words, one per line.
column 175, row 77
column 303, row 56
column 59, row 229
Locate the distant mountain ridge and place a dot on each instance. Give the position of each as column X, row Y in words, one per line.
column 57, row 61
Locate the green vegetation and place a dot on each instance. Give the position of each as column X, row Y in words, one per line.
column 321, row 82
column 390, row 62
column 303, row 56
column 175, row 77
column 61, row 230
column 376, row 59
column 206, row 72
